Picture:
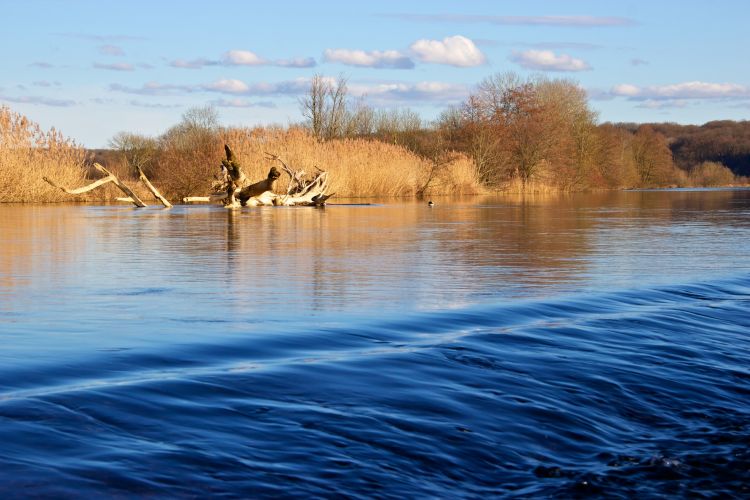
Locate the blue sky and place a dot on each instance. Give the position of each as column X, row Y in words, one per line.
column 93, row 68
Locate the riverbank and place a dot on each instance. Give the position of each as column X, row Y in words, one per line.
column 185, row 161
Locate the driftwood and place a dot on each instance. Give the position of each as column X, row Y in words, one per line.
column 232, row 187
column 233, row 190
column 153, row 190
column 130, row 196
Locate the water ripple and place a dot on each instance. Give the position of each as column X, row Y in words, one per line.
column 639, row 392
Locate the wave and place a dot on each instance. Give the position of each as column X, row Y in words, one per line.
column 640, row 391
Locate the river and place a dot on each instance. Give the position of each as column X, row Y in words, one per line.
column 490, row 346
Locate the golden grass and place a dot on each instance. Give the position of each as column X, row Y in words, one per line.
column 356, row 167
column 28, row 153
column 532, row 186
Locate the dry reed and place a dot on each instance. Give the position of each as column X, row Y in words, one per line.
column 532, row 186
column 28, row 153
column 357, row 167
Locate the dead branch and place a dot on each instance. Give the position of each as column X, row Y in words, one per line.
column 110, row 177
column 233, row 189
column 129, row 197
column 302, row 191
column 128, row 192
column 153, row 190
column 83, row 189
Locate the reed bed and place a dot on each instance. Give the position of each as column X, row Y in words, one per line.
column 356, row 167
column 531, row 186
column 28, row 153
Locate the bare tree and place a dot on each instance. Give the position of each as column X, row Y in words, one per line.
column 336, row 110
column 360, row 120
column 325, row 107
column 313, row 104
column 139, row 150
column 205, row 117
column 194, row 144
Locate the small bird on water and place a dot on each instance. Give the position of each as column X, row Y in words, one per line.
column 430, row 204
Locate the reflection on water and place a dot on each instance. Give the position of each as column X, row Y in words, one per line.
column 396, row 256
column 529, row 345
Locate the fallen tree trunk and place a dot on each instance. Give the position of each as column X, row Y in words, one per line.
column 233, row 189
column 153, row 190
column 130, row 196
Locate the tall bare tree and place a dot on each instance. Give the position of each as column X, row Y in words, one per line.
column 325, row 107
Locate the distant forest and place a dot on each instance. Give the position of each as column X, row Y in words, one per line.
column 725, row 141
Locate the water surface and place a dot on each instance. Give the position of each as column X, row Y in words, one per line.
column 510, row 346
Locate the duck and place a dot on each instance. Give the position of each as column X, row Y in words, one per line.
column 430, row 204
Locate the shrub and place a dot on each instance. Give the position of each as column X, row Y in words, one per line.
column 711, row 173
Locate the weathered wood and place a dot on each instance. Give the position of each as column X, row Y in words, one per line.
column 128, row 192
column 259, row 188
column 301, row 191
column 233, row 189
column 83, row 189
column 153, row 190
column 130, row 196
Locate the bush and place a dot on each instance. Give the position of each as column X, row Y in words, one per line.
column 711, row 173
column 188, row 155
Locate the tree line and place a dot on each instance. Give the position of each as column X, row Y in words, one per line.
column 722, row 141
column 538, row 130
column 519, row 133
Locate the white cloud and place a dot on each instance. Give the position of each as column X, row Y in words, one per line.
column 372, row 59
column 625, row 89
column 385, row 92
column 228, row 86
column 453, row 50
column 115, row 66
column 241, row 103
column 662, row 104
column 684, row 90
column 153, row 89
column 243, row 58
column 298, row 62
column 192, row 63
column 389, row 92
column 546, row 60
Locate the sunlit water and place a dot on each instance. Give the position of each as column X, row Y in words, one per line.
column 486, row 346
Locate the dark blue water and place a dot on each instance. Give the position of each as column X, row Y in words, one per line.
column 588, row 345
